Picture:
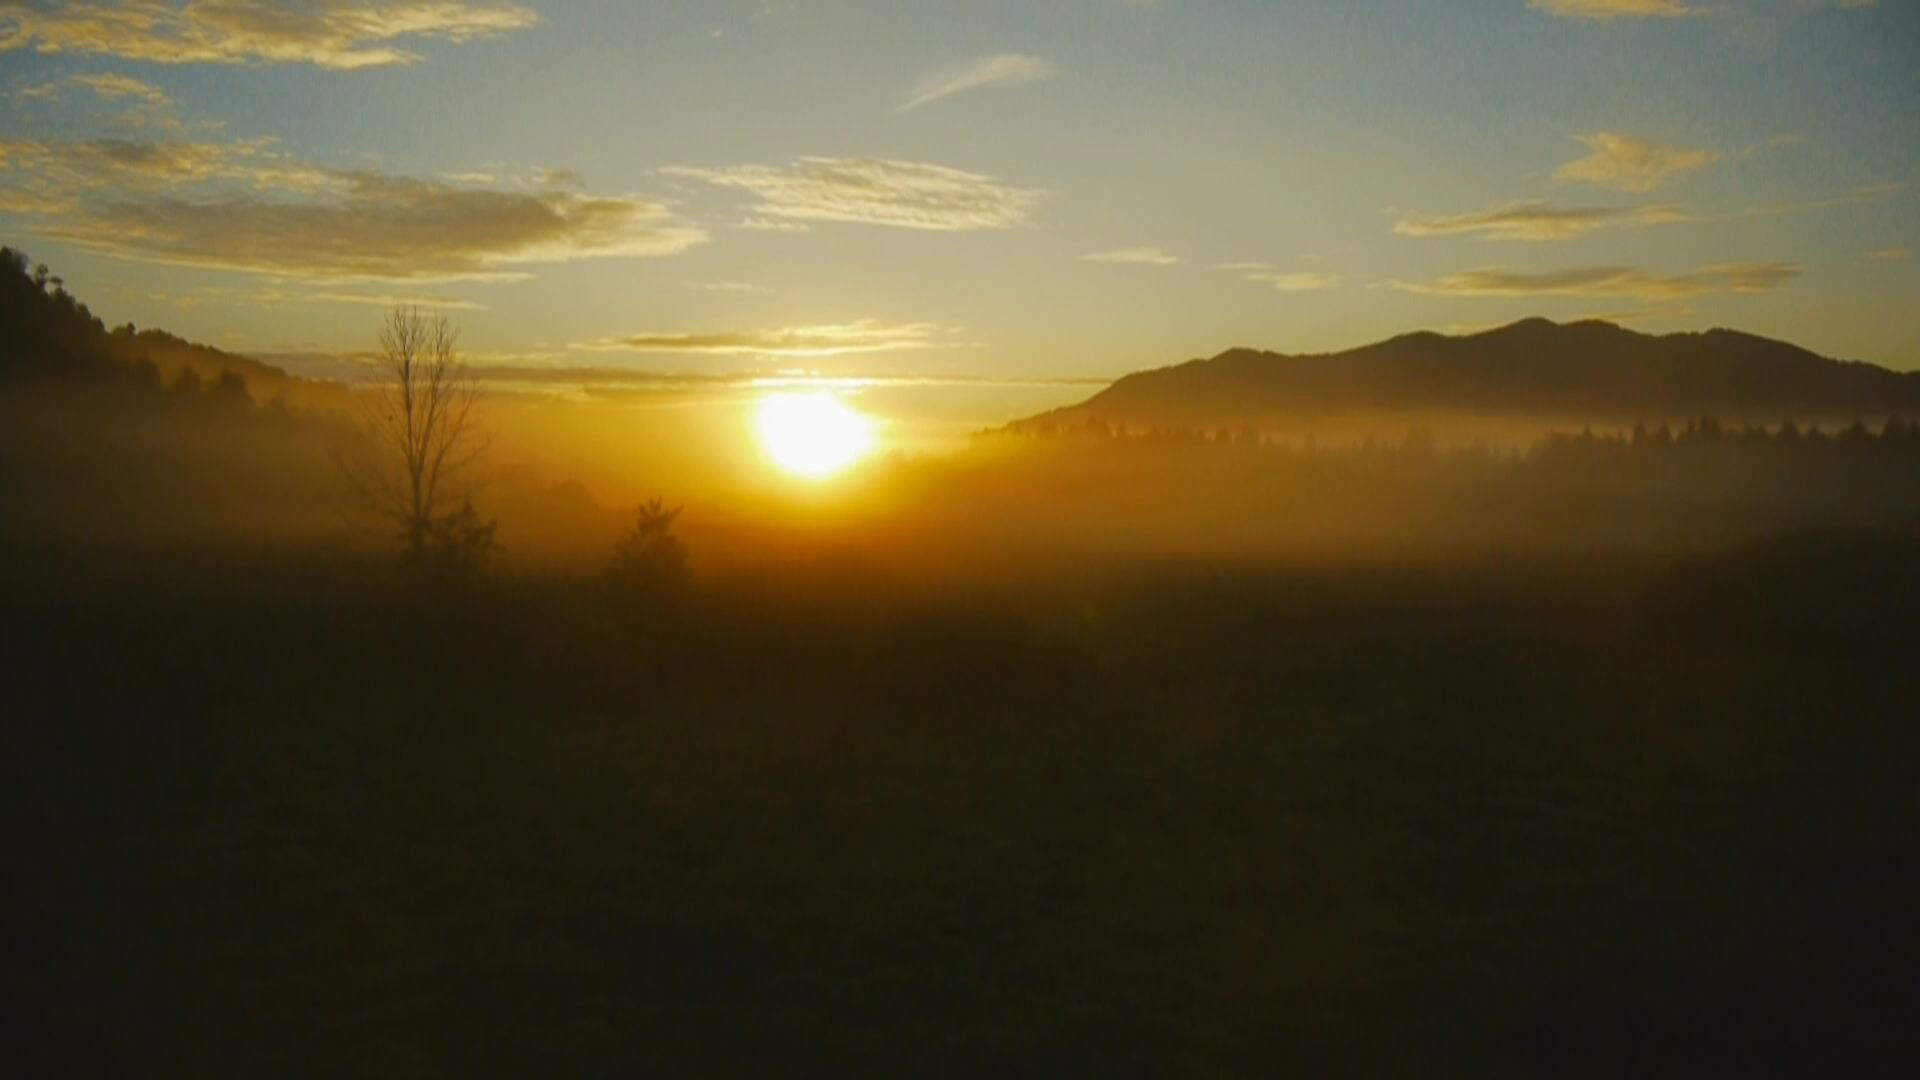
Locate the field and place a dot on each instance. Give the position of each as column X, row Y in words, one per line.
column 301, row 816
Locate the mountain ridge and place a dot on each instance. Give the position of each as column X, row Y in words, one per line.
column 1531, row 367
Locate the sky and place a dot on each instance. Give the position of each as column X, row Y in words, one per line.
column 1018, row 190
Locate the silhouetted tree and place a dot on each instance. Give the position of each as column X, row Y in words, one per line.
column 420, row 438
column 458, row 545
column 649, row 564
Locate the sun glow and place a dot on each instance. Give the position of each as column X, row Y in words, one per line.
column 812, row 435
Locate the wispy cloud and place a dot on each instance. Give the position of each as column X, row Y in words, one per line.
column 109, row 85
column 382, row 229
column 1539, row 220
column 1266, row 273
column 1002, row 69
column 1536, row 220
column 829, row 339
column 1617, row 9
column 246, row 207
column 763, row 224
column 1299, row 282
column 727, row 287
column 872, row 191
column 1865, row 193
column 340, row 34
column 63, row 168
column 285, row 297
column 148, row 104
column 570, row 179
column 1610, row 281
column 1133, row 256
column 1629, row 163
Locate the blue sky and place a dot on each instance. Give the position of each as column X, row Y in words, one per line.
column 1024, row 189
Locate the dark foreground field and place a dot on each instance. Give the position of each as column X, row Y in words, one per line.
column 1606, row 818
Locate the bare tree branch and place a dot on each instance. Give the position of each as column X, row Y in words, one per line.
column 419, row 426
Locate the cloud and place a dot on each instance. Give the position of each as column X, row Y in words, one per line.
column 560, row 178
column 1304, row 282
column 1627, row 163
column 1892, row 254
column 830, row 339
column 1133, row 256
column 1002, row 69
column 246, row 207
column 110, row 86
column 18, row 200
column 871, row 191
column 1266, row 273
column 383, row 229
column 339, row 34
column 760, row 224
column 1610, row 281
column 92, row 164
column 149, row 104
column 1536, row 220
column 282, row 297
column 727, row 286
column 1616, row 9
column 1858, row 196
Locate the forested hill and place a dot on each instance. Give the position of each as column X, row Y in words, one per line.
column 49, row 337
column 1531, row 368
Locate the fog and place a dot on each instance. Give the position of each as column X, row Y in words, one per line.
column 1416, row 729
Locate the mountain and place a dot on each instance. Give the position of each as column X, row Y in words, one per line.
column 1532, row 368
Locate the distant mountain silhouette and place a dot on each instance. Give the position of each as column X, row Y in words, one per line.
column 1535, row 367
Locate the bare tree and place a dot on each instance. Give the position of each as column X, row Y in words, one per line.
column 420, row 439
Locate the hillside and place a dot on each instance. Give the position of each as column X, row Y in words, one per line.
column 48, row 337
column 1532, row 368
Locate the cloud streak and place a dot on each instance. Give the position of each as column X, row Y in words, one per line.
column 1002, row 69
column 1266, row 273
column 1618, row 9
column 283, row 297
column 873, row 191
column 1133, row 256
column 827, row 339
column 1609, row 281
column 53, row 166
column 337, row 34
column 1299, row 282
column 147, row 103
column 1537, row 220
column 1628, row 163
column 246, row 207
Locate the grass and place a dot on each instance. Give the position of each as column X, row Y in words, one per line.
column 1194, row 819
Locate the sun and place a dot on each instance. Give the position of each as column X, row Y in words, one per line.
column 812, row 435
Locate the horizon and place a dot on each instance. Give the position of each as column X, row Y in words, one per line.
column 1080, row 192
